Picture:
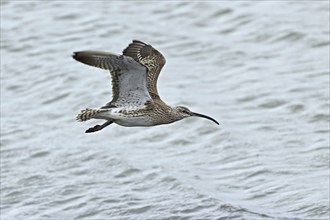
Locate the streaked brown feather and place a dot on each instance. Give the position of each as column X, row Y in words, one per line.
column 88, row 113
column 150, row 58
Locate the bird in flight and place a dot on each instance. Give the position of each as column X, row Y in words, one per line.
column 135, row 99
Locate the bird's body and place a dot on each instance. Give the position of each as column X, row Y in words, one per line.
column 135, row 101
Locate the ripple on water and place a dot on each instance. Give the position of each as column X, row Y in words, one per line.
column 272, row 103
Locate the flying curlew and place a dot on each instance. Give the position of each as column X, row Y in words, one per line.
column 135, row 100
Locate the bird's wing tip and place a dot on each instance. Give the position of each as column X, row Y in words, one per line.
column 139, row 41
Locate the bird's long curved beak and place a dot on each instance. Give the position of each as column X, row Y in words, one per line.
column 204, row 116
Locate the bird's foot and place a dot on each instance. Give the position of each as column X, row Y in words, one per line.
column 94, row 129
column 99, row 127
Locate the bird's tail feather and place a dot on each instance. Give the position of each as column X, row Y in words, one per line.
column 88, row 113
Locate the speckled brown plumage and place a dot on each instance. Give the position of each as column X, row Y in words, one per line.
column 135, row 99
column 149, row 57
column 88, row 113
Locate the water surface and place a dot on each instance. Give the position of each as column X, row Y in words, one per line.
column 260, row 68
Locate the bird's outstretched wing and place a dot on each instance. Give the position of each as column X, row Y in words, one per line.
column 150, row 58
column 129, row 78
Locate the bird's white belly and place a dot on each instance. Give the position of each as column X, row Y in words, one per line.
column 128, row 120
column 135, row 122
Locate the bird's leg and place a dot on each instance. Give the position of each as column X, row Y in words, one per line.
column 98, row 127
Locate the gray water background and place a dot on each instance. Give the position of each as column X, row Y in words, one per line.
column 260, row 68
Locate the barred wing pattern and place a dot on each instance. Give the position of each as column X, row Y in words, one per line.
column 129, row 84
column 150, row 58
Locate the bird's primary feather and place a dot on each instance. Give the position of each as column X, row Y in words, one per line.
column 150, row 58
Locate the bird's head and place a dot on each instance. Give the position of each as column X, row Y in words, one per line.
column 184, row 112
